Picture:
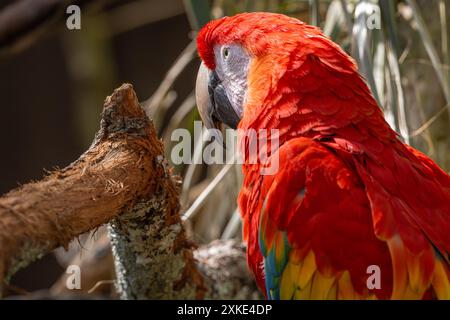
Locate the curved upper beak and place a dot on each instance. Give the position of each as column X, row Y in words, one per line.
column 204, row 103
column 212, row 101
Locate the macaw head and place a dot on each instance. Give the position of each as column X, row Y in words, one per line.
column 266, row 70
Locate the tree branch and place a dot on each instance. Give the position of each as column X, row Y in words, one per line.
column 121, row 167
column 123, row 175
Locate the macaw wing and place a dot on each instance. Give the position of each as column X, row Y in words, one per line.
column 317, row 239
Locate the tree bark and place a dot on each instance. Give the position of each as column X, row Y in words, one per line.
column 120, row 167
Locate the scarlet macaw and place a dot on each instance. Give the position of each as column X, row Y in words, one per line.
column 348, row 193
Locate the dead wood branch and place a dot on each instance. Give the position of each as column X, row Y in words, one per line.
column 123, row 176
column 122, row 167
column 223, row 264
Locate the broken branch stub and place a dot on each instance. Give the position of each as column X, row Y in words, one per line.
column 40, row 216
column 122, row 177
column 121, row 170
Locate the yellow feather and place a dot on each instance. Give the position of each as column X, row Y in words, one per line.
column 307, row 270
column 412, row 294
column 321, row 286
column 332, row 293
column 418, row 281
column 400, row 271
column 345, row 287
column 440, row 282
column 288, row 285
column 303, row 293
column 295, row 271
column 413, row 272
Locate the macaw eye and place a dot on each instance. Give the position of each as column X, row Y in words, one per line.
column 225, row 53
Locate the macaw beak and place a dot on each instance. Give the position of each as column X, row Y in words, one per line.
column 212, row 101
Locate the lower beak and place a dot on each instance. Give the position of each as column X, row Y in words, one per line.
column 212, row 100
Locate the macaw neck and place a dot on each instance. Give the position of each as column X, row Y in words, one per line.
column 315, row 97
column 354, row 126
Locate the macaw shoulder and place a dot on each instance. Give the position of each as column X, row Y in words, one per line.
column 311, row 178
column 299, row 159
column 314, row 211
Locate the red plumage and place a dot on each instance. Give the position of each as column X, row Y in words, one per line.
column 348, row 190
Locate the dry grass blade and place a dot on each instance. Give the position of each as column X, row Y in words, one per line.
column 335, row 18
column 182, row 112
column 428, row 123
column 196, row 158
column 347, row 16
column 233, row 226
column 392, row 48
column 444, row 37
column 314, row 12
column 399, row 101
column 431, row 49
column 379, row 63
column 151, row 106
column 193, row 209
column 361, row 44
